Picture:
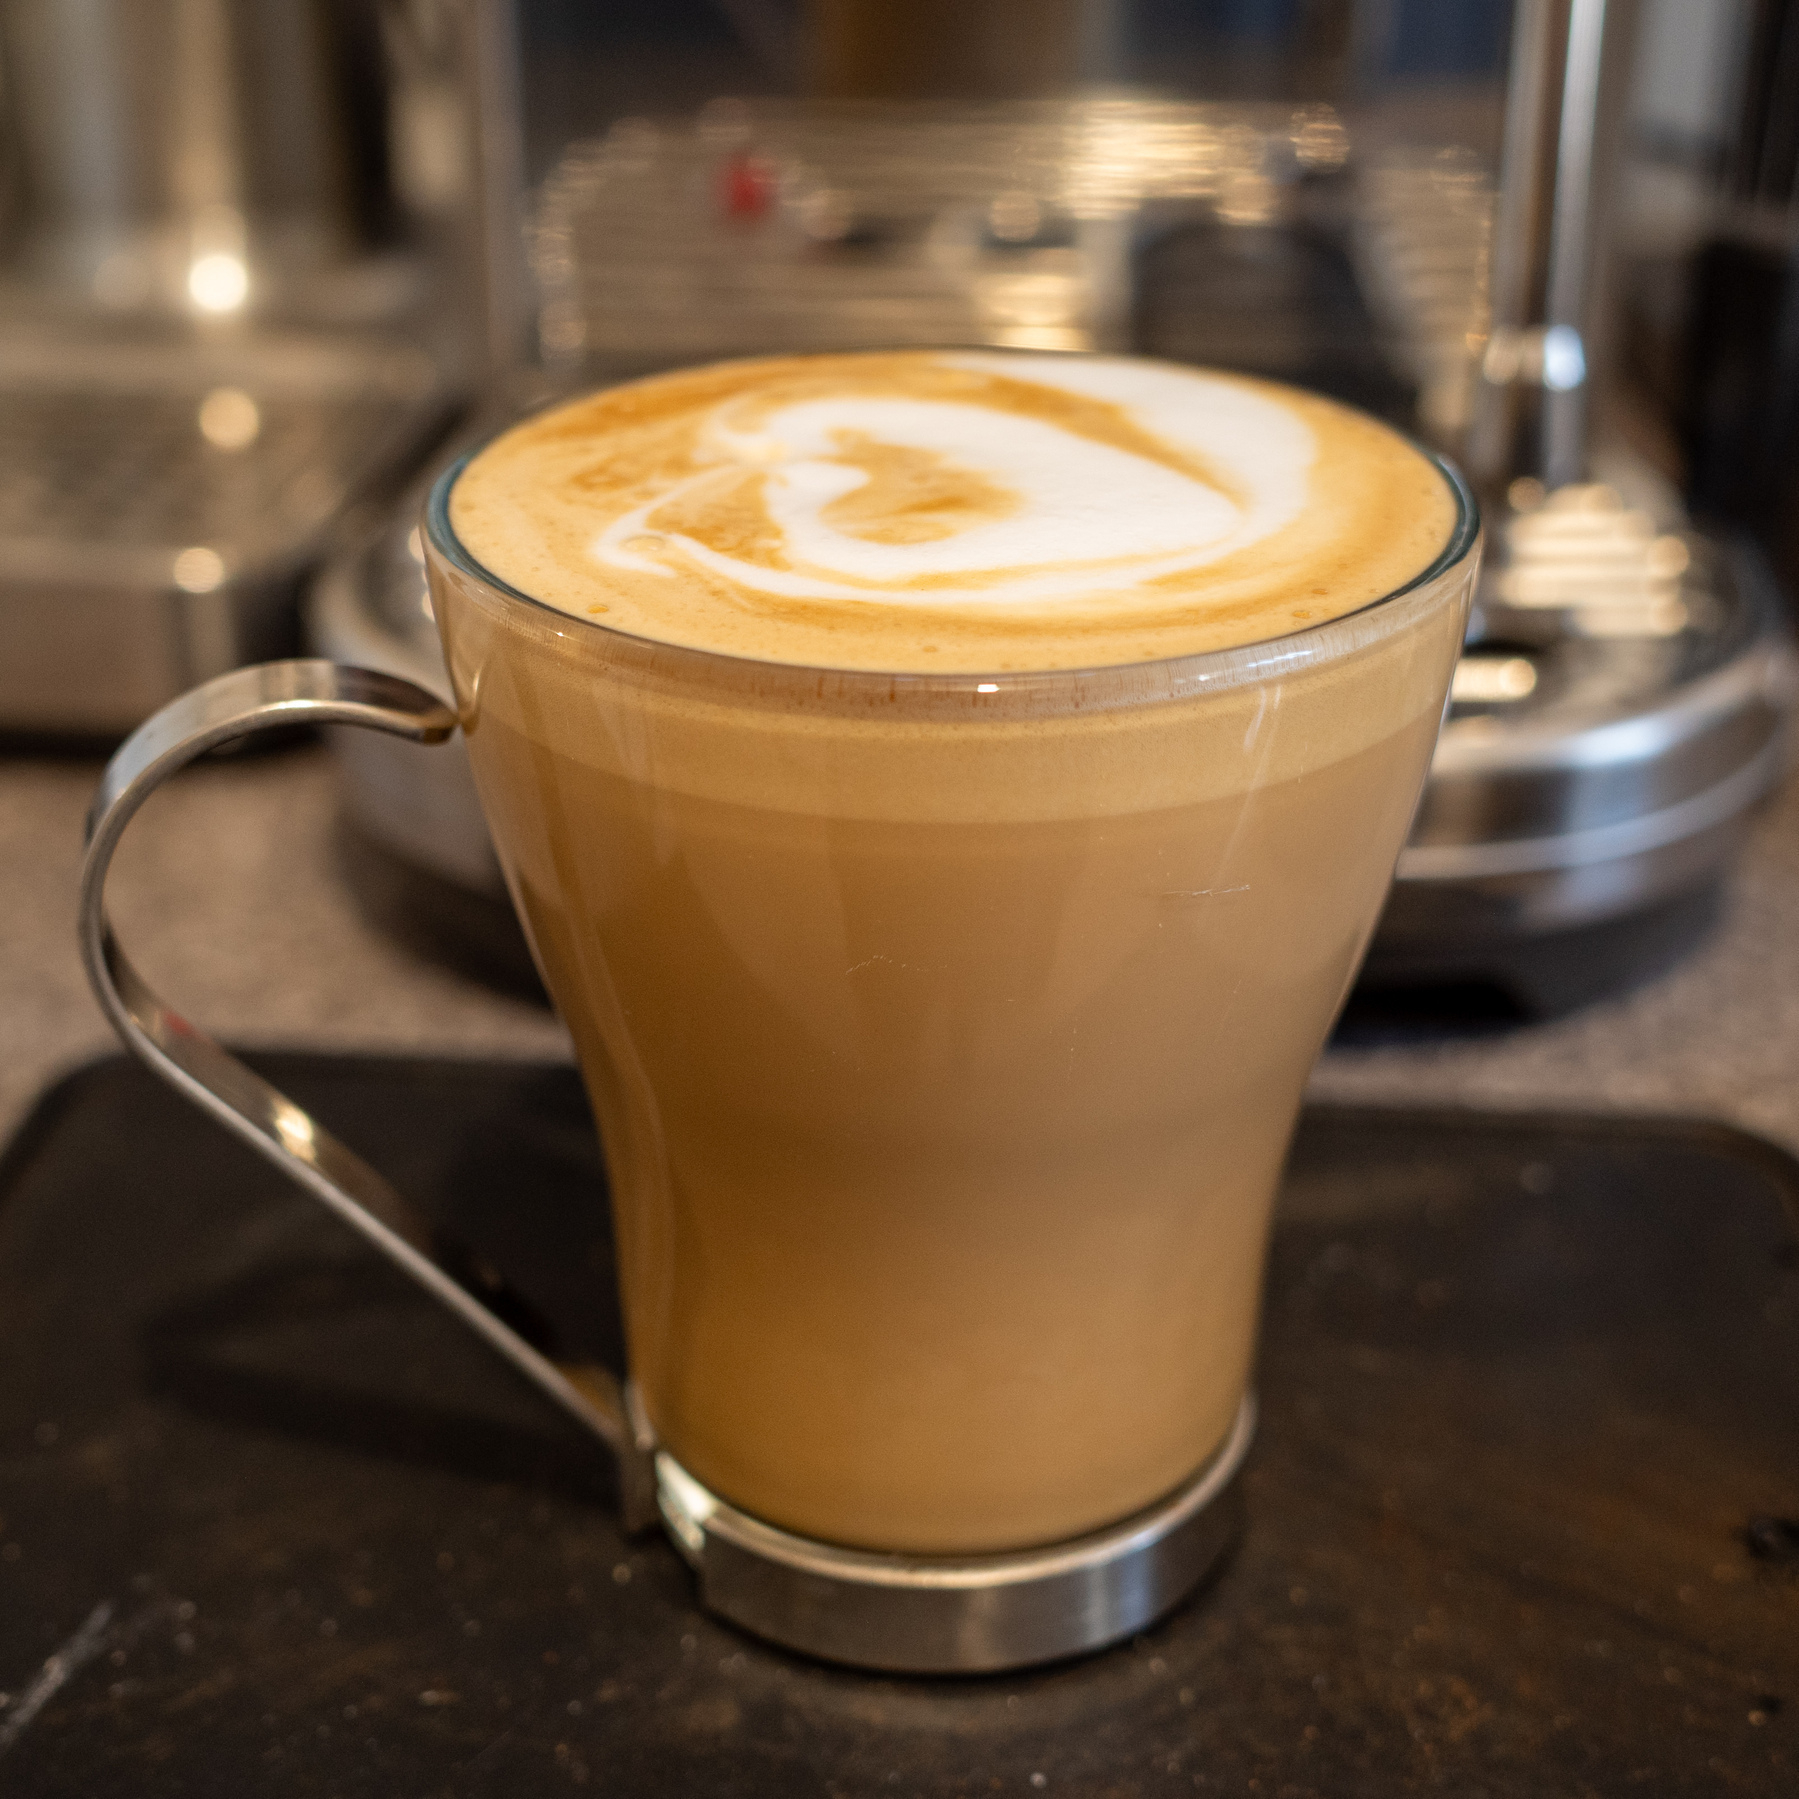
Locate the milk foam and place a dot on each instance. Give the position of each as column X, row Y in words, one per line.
column 923, row 510
column 1081, row 511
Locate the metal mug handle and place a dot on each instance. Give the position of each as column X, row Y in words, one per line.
column 275, row 695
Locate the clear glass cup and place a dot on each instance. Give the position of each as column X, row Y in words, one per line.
column 945, row 1034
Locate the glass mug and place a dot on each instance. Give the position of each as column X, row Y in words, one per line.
column 945, row 1036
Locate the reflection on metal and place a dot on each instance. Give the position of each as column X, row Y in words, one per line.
column 229, row 419
column 773, row 225
column 218, row 281
column 157, row 501
column 1583, row 553
column 198, row 569
column 1492, row 680
column 1624, row 704
column 1563, row 114
column 192, row 156
column 1423, row 225
column 942, row 1614
column 1570, row 280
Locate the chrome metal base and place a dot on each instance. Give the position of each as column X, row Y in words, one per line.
column 920, row 1614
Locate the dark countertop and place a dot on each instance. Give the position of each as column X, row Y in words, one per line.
column 228, row 893
column 276, row 1523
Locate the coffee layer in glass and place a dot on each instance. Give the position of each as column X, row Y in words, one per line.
column 945, row 1034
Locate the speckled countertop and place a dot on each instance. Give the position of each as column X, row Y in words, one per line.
column 229, row 895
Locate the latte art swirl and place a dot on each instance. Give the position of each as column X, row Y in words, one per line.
column 1015, row 508
column 937, row 510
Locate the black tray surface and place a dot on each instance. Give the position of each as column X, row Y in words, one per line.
column 1523, row 1513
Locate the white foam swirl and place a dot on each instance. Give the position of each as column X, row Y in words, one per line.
column 1084, row 516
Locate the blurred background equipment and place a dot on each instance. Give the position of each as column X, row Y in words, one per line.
column 1217, row 182
column 258, row 252
column 1624, row 698
column 1414, row 207
column 221, row 323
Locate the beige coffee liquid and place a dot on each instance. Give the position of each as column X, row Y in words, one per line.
column 945, row 1036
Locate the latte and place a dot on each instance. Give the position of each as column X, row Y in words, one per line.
column 934, row 512
column 945, row 1035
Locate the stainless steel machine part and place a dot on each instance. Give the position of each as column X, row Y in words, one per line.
column 920, row 1614
column 1625, row 703
column 495, row 267
column 1563, row 112
column 161, row 500
column 216, row 335
column 164, row 145
column 788, row 225
column 1624, row 698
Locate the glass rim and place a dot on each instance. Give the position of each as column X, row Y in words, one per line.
column 1289, row 646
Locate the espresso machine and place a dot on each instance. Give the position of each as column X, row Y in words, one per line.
column 1623, row 700
column 222, row 326
column 1314, row 201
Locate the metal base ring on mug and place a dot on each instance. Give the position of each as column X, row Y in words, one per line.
column 978, row 1614
column 918, row 1614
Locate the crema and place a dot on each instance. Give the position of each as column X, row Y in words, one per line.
column 935, row 512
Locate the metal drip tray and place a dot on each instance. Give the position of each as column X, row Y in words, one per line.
column 1621, row 707
column 159, row 499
